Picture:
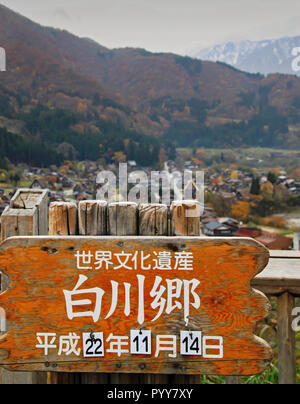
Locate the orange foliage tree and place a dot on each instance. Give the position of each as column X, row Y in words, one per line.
column 241, row 211
column 119, row 157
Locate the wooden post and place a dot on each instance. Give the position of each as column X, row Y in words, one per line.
column 19, row 222
column 62, row 222
column 62, row 219
column 233, row 380
column 153, row 220
column 185, row 217
column 185, row 221
column 184, row 224
column 92, row 218
column 26, row 216
column 286, row 340
column 122, row 221
column 30, row 199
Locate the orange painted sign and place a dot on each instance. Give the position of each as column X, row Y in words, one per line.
column 133, row 305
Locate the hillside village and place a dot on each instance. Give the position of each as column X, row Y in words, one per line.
column 230, row 196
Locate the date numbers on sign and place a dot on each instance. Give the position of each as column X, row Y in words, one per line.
column 140, row 342
column 194, row 343
column 93, row 345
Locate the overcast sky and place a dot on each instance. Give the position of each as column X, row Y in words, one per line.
column 166, row 25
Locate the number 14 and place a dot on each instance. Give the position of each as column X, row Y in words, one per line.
column 193, row 343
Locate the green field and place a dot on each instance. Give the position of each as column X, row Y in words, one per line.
column 258, row 158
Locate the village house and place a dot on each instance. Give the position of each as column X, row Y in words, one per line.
column 39, row 184
column 217, row 229
column 231, row 223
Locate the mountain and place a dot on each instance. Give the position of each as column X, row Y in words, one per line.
column 265, row 57
column 69, row 97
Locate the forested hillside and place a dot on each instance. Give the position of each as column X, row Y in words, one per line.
column 68, row 97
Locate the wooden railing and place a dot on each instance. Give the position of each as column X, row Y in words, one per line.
column 28, row 215
column 281, row 278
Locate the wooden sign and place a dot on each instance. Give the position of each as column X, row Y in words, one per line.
column 133, row 305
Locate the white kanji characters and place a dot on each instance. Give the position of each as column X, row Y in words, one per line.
column 217, row 346
column 144, row 258
column 103, row 259
column 159, row 301
column 127, row 303
column 118, row 344
column 191, row 343
column 163, row 261
column 174, row 294
column 141, row 301
column 123, row 259
column 87, row 302
column 114, row 299
column 184, row 261
column 190, row 290
column 166, row 343
column 46, row 341
column 174, row 287
column 84, row 260
column 68, row 344
column 159, row 260
column 167, row 298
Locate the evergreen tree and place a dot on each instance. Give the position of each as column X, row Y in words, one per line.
column 272, row 178
column 255, row 186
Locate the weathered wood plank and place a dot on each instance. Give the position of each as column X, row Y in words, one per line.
column 284, row 254
column 122, row 219
column 30, row 199
column 184, row 225
column 286, row 340
column 185, row 218
column 92, row 218
column 280, row 275
column 17, row 222
column 233, row 380
column 50, row 265
column 63, row 219
column 153, row 220
column 27, row 215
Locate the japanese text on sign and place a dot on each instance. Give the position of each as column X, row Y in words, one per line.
column 161, row 260
column 192, row 343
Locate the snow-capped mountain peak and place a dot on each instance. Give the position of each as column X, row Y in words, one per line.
column 265, row 57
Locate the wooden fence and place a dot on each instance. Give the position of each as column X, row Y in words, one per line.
column 28, row 215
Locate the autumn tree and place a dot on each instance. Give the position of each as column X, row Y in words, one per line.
column 220, row 205
column 267, row 189
column 241, row 211
column 234, row 175
column 296, row 174
column 201, row 154
column 119, row 157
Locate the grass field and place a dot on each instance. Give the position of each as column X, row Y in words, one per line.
column 258, row 158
